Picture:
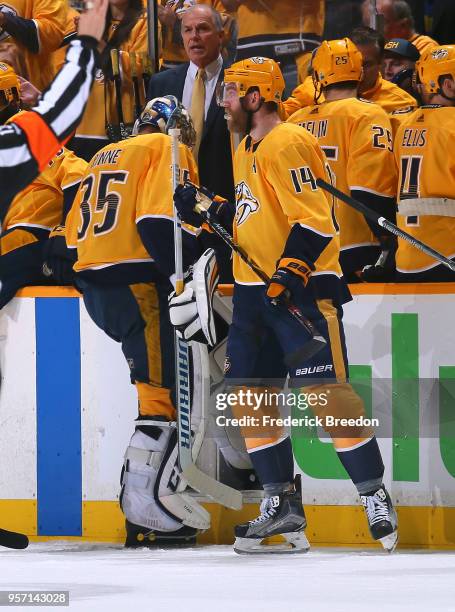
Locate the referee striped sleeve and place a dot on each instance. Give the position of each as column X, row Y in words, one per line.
column 33, row 138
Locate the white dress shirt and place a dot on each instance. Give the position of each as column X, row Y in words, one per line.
column 212, row 72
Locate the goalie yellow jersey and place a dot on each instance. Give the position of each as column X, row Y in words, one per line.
column 275, row 189
column 356, row 137
column 273, row 29
column 101, row 103
column 426, row 200
column 125, row 182
column 40, row 205
column 50, row 20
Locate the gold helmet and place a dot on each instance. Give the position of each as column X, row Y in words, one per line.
column 335, row 61
column 9, row 86
column 434, row 64
column 260, row 72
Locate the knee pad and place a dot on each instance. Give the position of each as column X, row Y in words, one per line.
column 152, row 492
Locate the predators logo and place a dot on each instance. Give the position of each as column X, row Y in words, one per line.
column 439, row 54
column 245, row 203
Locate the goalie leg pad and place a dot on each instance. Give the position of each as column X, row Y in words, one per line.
column 152, row 489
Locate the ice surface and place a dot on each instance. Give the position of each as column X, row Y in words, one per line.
column 213, row 578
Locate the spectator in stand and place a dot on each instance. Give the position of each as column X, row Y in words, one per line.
column 37, row 29
column 444, row 21
column 372, row 86
column 399, row 23
column 286, row 31
column 126, row 30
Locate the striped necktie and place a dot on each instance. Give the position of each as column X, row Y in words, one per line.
column 198, row 108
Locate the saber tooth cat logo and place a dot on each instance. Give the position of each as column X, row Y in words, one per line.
column 245, row 202
column 440, row 54
column 4, row 8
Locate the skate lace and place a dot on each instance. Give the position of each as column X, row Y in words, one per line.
column 376, row 509
column 267, row 511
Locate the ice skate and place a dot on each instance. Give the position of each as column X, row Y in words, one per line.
column 382, row 518
column 280, row 515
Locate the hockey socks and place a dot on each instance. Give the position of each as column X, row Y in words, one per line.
column 274, row 464
column 364, row 465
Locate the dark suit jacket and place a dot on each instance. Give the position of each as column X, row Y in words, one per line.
column 215, row 160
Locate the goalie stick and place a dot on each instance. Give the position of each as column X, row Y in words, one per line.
column 191, row 473
column 317, row 341
column 115, row 59
column 388, row 225
column 12, row 539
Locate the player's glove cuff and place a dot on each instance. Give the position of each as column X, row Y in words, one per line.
column 290, row 273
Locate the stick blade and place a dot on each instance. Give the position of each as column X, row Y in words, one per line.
column 308, row 350
column 231, row 498
column 12, row 539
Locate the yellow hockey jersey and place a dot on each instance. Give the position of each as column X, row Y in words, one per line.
column 423, row 43
column 423, row 146
column 50, row 19
column 125, row 182
column 273, row 29
column 93, row 124
column 40, row 205
column 275, row 189
column 356, row 137
column 387, row 95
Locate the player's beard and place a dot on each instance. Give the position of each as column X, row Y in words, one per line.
column 237, row 121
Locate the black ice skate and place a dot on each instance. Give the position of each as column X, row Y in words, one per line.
column 142, row 537
column 280, row 515
column 382, row 518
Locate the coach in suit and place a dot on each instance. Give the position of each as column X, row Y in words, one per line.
column 194, row 84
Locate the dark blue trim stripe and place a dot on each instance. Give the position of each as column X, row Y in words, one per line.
column 58, row 416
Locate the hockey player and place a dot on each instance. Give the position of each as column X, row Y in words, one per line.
column 122, row 226
column 286, row 224
column 372, row 86
column 426, row 199
column 356, row 137
column 31, row 140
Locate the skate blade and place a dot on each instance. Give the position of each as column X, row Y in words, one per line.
column 389, row 542
column 296, row 542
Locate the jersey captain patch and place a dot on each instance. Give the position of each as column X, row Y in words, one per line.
column 245, row 202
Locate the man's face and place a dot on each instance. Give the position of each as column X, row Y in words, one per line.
column 234, row 114
column 393, row 65
column 201, row 39
column 393, row 28
column 371, row 66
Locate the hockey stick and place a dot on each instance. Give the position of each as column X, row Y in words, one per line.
column 12, row 539
column 317, row 341
column 191, row 473
column 388, row 225
column 118, row 93
column 135, row 79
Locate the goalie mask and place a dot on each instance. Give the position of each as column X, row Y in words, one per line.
column 166, row 113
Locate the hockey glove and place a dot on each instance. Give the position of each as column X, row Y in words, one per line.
column 383, row 270
column 185, row 201
column 289, row 277
column 58, row 259
column 191, row 311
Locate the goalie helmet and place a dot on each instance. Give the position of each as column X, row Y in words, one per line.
column 434, row 64
column 260, row 72
column 336, row 61
column 9, row 88
column 166, row 113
